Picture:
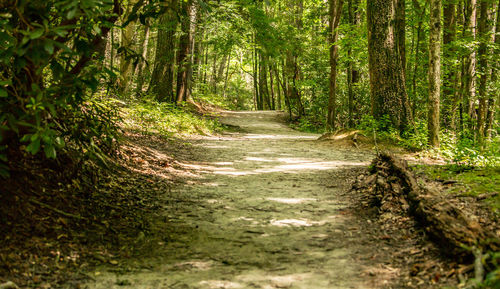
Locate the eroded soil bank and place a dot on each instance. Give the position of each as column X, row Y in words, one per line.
column 266, row 207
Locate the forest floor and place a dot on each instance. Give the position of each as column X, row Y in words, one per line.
column 265, row 206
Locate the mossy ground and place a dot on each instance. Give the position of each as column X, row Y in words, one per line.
column 483, row 182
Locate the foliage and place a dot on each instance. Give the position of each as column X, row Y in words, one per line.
column 309, row 124
column 47, row 75
column 149, row 116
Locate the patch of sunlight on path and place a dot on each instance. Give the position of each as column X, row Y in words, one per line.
column 266, row 212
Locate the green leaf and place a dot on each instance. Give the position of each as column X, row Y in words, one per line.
column 34, row 146
column 3, row 92
column 26, row 138
column 71, row 13
column 36, row 34
column 59, row 141
column 50, row 151
column 49, row 46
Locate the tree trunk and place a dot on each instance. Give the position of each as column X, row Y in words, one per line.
column 257, row 102
column 285, row 89
column 226, row 79
column 470, row 67
column 162, row 77
column 495, row 93
column 484, row 35
column 271, row 87
column 352, row 71
column 264, row 91
column 335, row 11
column 127, row 35
column 400, row 26
column 434, row 72
column 278, row 90
column 183, row 56
column 292, row 67
column 142, row 64
column 193, row 17
column 449, row 75
column 420, row 11
column 387, row 86
column 214, row 72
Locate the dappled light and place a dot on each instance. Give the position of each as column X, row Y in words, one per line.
column 249, row 144
column 292, row 200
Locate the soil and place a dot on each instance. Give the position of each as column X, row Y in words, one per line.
column 260, row 206
column 265, row 206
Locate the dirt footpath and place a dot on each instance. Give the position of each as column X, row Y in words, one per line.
column 266, row 207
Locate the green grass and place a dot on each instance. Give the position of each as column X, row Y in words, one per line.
column 470, row 181
column 167, row 120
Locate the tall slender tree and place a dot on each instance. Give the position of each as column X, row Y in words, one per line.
column 184, row 53
column 469, row 79
column 450, row 69
column 434, row 72
column 484, row 36
column 335, row 12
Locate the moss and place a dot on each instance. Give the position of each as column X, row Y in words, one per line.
column 470, row 181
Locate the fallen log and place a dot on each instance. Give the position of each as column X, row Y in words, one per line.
column 391, row 182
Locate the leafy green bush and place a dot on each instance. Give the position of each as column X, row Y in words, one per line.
column 47, row 58
column 308, row 124
column 417, row 139
column 463, row 151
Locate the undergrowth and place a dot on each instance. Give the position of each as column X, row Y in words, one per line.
column 148, row 117
column 459, row 149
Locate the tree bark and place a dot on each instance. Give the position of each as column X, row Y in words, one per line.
column 226, row 78
column 484, row 36
column 263, row 87
column 352, row 70
column 292, row 67
column 470, row 66
column 127, row 35
column 420, row 11
column 335, row 11
column 142, row 64
column 183, row 56
column 400, row 26
column 278, row 90
column 271, row 87
column 494, row 95
column 449, row 73
column 387, row 86
column 434, row 72
column 162, row 77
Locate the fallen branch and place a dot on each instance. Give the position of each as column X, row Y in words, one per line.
column 56, row 210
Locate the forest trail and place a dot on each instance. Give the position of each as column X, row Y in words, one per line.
column 267, row 209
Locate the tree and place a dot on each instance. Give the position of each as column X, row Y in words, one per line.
column 127, row 38
column 495, row 93
column 449, row 70
column 387, row 85
column 184, row 58
column 352, row 70
column 484, row 33
column 434, row 72
column 162, row 78
column 469, row 78
column 335, row 12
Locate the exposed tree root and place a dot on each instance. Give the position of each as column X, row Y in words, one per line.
column 393, row 187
